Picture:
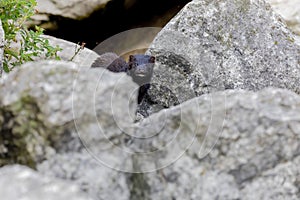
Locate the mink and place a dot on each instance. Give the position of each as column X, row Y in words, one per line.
column 139, row 67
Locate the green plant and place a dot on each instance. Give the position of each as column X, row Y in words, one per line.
column 21, row 44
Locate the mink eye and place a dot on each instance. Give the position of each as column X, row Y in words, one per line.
column 131, row 58
column 152, row 59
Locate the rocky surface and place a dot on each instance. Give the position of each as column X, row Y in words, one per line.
column 73, row 9
column 254, row 156
column 290, row 11
column 228, row 144
column 85, row 57
column 40, row 103
column 92, row 175
column 216, row 45
column 78, row 123
column 1, row 48
column 20, row 182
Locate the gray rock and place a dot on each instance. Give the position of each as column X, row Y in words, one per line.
column 85, row 57
column 215, row 45
column 99, row 181
column 257, row 147
column 77, row 123
column 22, row 183
column 43, row 104
column 1, row 48
column 282, row 182
column 74, row 9
column 228, row 144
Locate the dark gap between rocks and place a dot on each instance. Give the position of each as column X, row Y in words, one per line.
column 117, row 16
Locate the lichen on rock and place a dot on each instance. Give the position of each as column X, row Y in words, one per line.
column 25, row 137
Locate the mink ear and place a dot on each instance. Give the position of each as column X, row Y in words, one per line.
column 131, row 58
column 152, row 59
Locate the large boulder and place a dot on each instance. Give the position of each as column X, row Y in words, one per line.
column 73, row 9
column 254, row 155
column 93, row 176
column 217, row 45
column 236, row 144
column 78, row 123
column 43, row 103
column 231, row 144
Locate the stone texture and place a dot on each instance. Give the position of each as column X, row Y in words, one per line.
column 282, row 182
column 216, row 45
column 74, row 9
column 84, row 58
column 99, row 181
column 290, row 12
column 234, row 144
column 40, row 104
column 77, row 123
column 254, row 155
column 22, row 183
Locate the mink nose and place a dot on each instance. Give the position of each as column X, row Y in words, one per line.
column 141, row 71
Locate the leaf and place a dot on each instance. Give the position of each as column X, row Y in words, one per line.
column 14, row 14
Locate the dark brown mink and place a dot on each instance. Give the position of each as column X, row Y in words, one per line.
column 140, row 68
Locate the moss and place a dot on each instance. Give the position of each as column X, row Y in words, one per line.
column 51, row 72
column 23, row 129
column 139, row 188
column 243, row 5
column 290, row 39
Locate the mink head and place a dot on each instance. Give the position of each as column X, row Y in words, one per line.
column 141, row 68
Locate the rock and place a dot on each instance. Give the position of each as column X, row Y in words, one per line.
column 20, row 182
column 39, row 113
column 234, row 143
column 73, row 9
column 85, row 57
column 216, row 45
column 96, row 179
column 290, row 12
column 1, row 48
column 77, row 123
column 278, row 183
column 51, row 12
column 227, row 144
column 255, row 148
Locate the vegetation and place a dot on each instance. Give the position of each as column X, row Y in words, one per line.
column 21, row 44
